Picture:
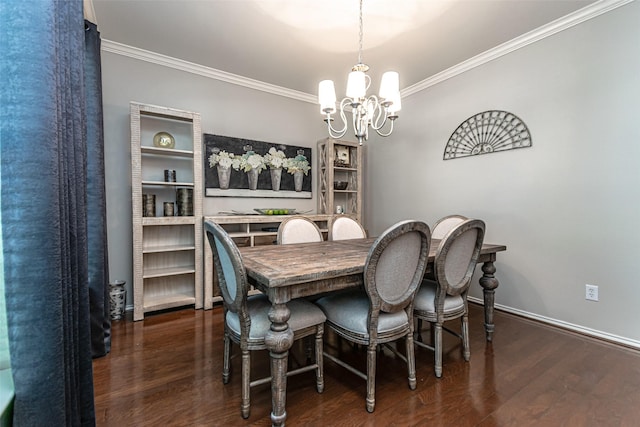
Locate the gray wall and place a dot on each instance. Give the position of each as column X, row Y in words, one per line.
column 225, row 109
column 568, row 207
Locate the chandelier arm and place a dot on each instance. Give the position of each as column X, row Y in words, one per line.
column 379, row 113
column 388, row 133
column 335, row 133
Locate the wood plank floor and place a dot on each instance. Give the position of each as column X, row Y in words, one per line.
column 167, row 370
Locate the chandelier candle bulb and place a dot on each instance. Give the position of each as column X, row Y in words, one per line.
column 356, row 85
column 390, row 86
column 327, row 97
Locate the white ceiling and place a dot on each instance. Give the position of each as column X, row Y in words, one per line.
column 243, row 37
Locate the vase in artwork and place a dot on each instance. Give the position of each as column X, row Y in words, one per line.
column 276, row 175
column 298, row 176
column 252, row 175
column 224, row 175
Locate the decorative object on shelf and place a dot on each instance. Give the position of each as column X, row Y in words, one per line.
column 341, row 154
column 164, row 140
column 368, row 111
column 275, row 160
column 169, row 175
column 168, row 208
column 339, row 210
column 117, row 299
column 340, row 185
column 234, row 151
column 184, row 201
column 487, row 132
column 276, row 211
column 148, row 205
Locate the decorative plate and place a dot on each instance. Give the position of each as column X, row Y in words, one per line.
column 276, row 211
column 164, row 140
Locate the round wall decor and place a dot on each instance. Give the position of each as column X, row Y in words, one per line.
column 487, row 132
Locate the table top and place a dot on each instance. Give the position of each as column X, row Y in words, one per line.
column 285, row 265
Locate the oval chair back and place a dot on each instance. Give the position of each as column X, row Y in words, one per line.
column 229, row 268
column 395, row 266
column 344, row 228
column 298, row 229
column 445, row 224
column 457, row 256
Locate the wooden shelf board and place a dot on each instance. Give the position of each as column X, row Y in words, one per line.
column 168, row 248
column 168, row 220
column 167, row 184
column 162, row 302
column 169, row 271
column 165, row 151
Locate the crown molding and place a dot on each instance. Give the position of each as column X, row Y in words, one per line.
column 566, row 22
column 201, row 70
column 596, row 9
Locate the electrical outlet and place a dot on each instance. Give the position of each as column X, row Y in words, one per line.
column 592, row 292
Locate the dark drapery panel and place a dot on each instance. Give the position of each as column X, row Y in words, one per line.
column 44, row 225
column 96, row 198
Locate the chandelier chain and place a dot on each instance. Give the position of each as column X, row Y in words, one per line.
column 360, row 36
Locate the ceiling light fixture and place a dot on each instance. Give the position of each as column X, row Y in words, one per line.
column 367, row 111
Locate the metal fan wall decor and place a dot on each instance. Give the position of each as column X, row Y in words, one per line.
column 487, row 132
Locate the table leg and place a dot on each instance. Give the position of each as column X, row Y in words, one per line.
column 489, row 284
column 279, row 340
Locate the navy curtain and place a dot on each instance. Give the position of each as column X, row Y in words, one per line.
column 44, row 210
column 96, row 198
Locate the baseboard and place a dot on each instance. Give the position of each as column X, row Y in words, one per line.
column 600, row 335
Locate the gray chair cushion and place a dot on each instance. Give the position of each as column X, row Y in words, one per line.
column 426, row 298
column 349, row 309
column 303, row 314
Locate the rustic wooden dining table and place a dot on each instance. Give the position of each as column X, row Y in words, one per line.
column 286, row 272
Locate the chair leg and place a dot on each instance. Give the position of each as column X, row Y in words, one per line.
column 438, row 348
column 319, row 360
column 466, row 350
column 411, row 361
column 246, row 379
column 225, row 359
column 371, row 377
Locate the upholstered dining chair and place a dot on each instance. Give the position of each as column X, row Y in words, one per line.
column 298, row 229
column 445, row 224
column 445, row 298
column 246, row 320
column 382, row 311
column 345, row 227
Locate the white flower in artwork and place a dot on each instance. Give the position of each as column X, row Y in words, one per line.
column 250, row 160
column 298, row 163
column 275, row 158
column 222, row 158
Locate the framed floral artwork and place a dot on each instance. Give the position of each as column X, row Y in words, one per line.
column 237, row 167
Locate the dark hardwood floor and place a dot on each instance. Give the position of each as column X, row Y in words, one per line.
column 167, row 370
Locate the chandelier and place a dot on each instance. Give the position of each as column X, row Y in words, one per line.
column 367, row 111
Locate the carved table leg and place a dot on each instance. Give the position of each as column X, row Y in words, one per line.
column 279, row 340
column 489, row 284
